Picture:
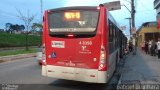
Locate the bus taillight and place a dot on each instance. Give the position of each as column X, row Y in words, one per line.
column 43, row 55
column 70, row 35
column 102, row 65
column 98, row 8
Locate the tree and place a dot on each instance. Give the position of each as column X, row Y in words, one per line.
column 15, row 27
column 22, row 27
column 8, row 27
column 36, row 27
column 28, row 19
column 18, row 27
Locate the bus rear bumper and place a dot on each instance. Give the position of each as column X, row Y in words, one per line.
column 76, row 74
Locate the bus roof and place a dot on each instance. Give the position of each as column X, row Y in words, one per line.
column 85, row 8
column 74, row 8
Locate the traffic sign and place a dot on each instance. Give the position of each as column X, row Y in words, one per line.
column 112, row 5
column 133, row 30
column 123, row 27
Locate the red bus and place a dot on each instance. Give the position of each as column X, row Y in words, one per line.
column 81, row 43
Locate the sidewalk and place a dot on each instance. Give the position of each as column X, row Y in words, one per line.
column 141, row 69
column 16, row 57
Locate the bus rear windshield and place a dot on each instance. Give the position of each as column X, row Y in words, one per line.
column 78, row 22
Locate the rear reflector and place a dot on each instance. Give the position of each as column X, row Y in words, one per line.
column 44, row 62
column 92, row 76
column 102, row 67
column 49, row 71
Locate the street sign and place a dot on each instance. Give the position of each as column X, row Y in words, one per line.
column 112, row 5
column 133, row 30
column 123, row 27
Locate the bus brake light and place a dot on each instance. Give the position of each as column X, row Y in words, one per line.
column 70, row 35
column 98, row 8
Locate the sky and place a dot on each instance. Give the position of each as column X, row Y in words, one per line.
column 145, row 11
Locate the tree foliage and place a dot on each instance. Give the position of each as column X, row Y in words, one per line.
column 36, row 27
column 10, row 28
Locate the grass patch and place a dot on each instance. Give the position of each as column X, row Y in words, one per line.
column 18, row 40
column 15, row 52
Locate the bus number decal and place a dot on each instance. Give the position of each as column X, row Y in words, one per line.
column 85, row 42
column 58, row 44
column 84, row 47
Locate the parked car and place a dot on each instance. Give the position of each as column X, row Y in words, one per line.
column 39, row 56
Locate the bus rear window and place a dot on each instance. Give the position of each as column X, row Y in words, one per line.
column 77, row 22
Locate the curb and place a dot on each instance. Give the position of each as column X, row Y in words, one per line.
column 15, row 57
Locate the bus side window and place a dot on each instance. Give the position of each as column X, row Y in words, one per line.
column 117, row 37
column 114, row 38
column 117, row 30
column 111, row 47
column 110, row 31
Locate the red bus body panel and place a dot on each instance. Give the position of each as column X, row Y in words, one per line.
column 77, row 52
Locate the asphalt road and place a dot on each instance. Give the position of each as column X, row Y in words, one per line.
column 25, row 71
column 26, row 74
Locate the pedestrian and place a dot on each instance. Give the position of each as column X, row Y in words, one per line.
column 149, row 46
column 142, row 46
column 156, row 52
column 158, row 48
column 152, row 49
column 130, row 46
column 146, row 47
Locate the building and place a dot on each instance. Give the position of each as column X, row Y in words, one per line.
column 148, row 31
column 157, row 7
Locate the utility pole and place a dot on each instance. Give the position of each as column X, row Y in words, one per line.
column 130, row 29
column 41, row 11
column 133, row 26
column 133, row 13
column 130, row 26
column 41, row 17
